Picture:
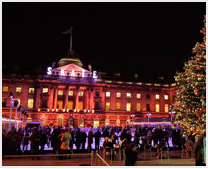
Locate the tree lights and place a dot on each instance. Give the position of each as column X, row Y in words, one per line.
column 191, row 91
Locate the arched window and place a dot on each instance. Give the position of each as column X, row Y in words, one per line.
column 59, row 122
column 128, row 121
column 96, row 123
column 29, row 119
column 107, row 122
column 81, row 122
column 118, row 122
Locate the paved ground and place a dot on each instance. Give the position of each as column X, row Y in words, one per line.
column 46, row 161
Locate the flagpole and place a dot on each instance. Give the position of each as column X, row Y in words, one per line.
column 71, row 41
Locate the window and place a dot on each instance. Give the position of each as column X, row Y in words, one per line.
column 18, row 89
column 60, row 92
column 5, row 88
column 80, row 106
column 128, row 107
column 166, row 97
column 138, row 96
column 166, row 108
column 32, row 90
column 97, row 106
column 128, row 95
column 70, row 105
column 30, row 103
column 148, row 107
column 157, row 96
column 148, row 96
column 107, row 94
column 60, row 104
column 97, row 94
column 138, row 107
column 71, row 93
column 118, row 106
column 44, row 104
column 45, row 90
column 118, row 94
column 81, row 93
column 4, row 102
column 107, row 106
column 157, row 108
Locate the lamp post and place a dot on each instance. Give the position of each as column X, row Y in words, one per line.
column 148, row 114
column 132, row 115
column 11, row 105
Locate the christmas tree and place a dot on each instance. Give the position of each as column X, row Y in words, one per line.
column 190, row 106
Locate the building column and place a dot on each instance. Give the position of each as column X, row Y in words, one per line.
column 37, row 104
column 66, row 98
column 91, row 100
column 55, row 99
column 87, row 100
column 77, row 99
column 50, row 100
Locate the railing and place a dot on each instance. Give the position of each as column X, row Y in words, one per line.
column 97, row 160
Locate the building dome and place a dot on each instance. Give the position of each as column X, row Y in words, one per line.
column 71, row 57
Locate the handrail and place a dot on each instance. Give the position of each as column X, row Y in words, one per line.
column 102, row 159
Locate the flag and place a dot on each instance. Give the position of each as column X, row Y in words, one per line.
column 67, row 31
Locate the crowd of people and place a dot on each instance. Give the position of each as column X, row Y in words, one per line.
column 61, row 140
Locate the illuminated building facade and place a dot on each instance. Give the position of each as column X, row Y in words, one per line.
column 70, row 95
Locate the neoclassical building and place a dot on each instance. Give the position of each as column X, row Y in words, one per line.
column 70, row 95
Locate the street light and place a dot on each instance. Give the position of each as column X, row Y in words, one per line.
column 13, row 103
column 148, row 114
column 171, row 114
column 132, row 115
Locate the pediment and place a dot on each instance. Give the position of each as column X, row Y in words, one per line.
column 71, row 67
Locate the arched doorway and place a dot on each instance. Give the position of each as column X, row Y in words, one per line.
column 128, row 122
column 70, row 122
column 81, row 122
column 107, row 122
column 96, row 123
column 29, row 119
column 118, row 122
column 59, row 122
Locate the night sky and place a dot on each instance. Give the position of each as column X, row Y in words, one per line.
column 151, row 39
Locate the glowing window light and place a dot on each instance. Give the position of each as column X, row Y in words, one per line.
column 128, row 95
column 18, row 89
column 157, row 96
column 138, row 95
column 148, row 84
column 156, row 84
column 139, row 83
column 5, row 89
column 107, row 94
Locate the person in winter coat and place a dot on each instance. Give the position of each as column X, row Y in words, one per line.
column 78, row 139
column 97, row 136
column 198, row 151
column 26, row 141
column 68, row 138
column 43, row 141
column 35, row 141
column 90, row 139
column 83, row 139
column 189, row 145
column 131, row 155
column 19, row 136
